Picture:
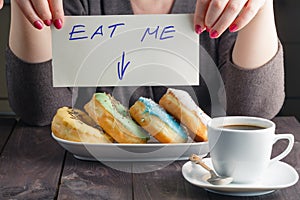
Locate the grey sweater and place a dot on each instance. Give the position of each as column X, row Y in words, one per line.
column 224, row 88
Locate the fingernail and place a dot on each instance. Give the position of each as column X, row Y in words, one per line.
column 198, row 29
column 58, row 23
column 38, row 24
column 233, row 27
column 214, row 34
column 47, row 22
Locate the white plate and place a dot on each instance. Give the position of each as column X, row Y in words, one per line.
column 279, row 175
column 133, row 152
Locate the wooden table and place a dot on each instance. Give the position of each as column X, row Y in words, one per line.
column 34, row 166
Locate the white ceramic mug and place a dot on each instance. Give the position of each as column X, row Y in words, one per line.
column 244, row 154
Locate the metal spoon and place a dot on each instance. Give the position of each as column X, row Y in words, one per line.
column 214, row 178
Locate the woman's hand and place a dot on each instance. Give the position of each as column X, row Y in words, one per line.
column 42, row 12
column 215, row 16
column 1, row 4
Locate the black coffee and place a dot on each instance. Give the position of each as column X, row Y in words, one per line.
column 242, row 127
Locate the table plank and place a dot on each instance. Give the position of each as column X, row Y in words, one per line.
column 30, row 164
column 283, row 125
column 194, row 192
column 288, row 125
column 6, row 126
column 166, row 182
column 32, row 167
column 94, row 180
column 292, row 159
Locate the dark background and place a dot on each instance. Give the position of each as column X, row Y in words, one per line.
column 288, row 26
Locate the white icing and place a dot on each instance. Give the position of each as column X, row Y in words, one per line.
column 189, row 103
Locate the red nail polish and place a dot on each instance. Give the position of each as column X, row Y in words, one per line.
column 38, row 24
column 233, row 27
column 198, row 29
column 58, row 23
column 214, row 34
column 48, row 22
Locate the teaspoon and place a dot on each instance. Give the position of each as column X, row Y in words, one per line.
column 214, row 178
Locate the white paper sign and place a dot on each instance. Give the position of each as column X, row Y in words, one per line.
column 130, row 50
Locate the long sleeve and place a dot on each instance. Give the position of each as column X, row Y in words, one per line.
column 257, row 92
column 30, row 91
column 31, row 94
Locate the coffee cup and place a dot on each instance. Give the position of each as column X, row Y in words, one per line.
column 241, row 146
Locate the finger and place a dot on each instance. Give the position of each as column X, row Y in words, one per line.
column 249, row 11
column 43, row 10
column 232, row 10
column 57, row 11
column 30, row 13
column 214, row 11
column 1, row 4
column 199, row 17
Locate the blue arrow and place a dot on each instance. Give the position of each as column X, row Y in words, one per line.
column 122, row 68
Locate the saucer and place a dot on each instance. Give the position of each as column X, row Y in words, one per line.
column 279, row 175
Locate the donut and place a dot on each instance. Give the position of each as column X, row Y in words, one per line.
column 115, row 119
column 75, row 125
column 157, row 121
column 181, row 105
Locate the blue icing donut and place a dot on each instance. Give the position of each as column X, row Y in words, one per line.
column 154, row 109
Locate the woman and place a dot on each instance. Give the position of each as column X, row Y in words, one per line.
column 248, row 56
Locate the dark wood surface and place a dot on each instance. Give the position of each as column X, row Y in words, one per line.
column 34, row 166
column 6, row 127
column 30, row 164
column 93, row 180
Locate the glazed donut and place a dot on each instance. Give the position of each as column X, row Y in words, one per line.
column 75, row 125
column 157, row 121
column 115, row 119
column 181, row 105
